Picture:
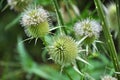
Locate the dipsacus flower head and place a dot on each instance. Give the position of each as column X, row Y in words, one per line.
column 89, row 28
column 18, row 5
column 112, row 16
column 108, row 78
column 64, row 50
column 35, row 21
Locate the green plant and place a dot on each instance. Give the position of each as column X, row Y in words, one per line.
column 65, row 40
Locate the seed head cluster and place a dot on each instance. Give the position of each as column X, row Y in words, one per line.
column 32, row 17
column 35, row 22
column 112, row 16
column 112, row 8
column 64, row 50
column 107, row 77
column 18, row 5
column 88, row 28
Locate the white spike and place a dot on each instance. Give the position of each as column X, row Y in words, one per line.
column 36, row 40
column 25, row 40
column 94, row 45
column 79, row 42
column 55, row 28
column 87, row 49
column 80, row 59
column 76, row 69
column 99, row 41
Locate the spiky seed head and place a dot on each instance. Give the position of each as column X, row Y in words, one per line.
column 38, row 31
column 112, row 16
column 107, row 77
column 18, row 5
column 64, row 50
column 88, row 27
column 35, row 21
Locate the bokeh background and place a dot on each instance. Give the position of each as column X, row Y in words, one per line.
column 30, row 61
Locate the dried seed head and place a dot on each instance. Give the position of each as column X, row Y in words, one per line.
column 108, row 78
column 35, row 21
column 64, row 50
column 112, row 16
column 89, row 28
column 18, row 5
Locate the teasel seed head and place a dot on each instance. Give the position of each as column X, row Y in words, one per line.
column 35, row 22
column 112, row 16
column 64, row 50
column 107, row 77
column 19, row 5
column 88, row 27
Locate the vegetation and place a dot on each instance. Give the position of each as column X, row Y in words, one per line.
column 59, row 40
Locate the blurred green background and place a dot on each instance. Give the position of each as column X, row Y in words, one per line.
column 30, row 61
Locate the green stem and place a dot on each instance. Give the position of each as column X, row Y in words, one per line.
column 44, row 41
column 118, row 12
column 70, row 77
column 118, row 18
column 108, row 36
column 60, row 20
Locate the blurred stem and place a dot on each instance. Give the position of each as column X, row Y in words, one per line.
column 70, row 77
column 13, row 23
column 118, row 17
column 44, row 41
column 118, row 12
column 108, row 37
column 78, row 66
column 2, row 63
column 68, row 9
column 12, row 74
column 1, row 2
column 60, row 20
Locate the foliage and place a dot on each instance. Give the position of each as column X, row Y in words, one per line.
column 28, row 58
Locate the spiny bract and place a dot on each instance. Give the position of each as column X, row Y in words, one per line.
column 35, row 21
column 18, row 5
column 64, row 50
column 89, row 28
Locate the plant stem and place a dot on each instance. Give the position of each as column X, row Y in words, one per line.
column 60, row 20
column 118, row 18
column 118, row 12
column 44, row 41
column 108, row 37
